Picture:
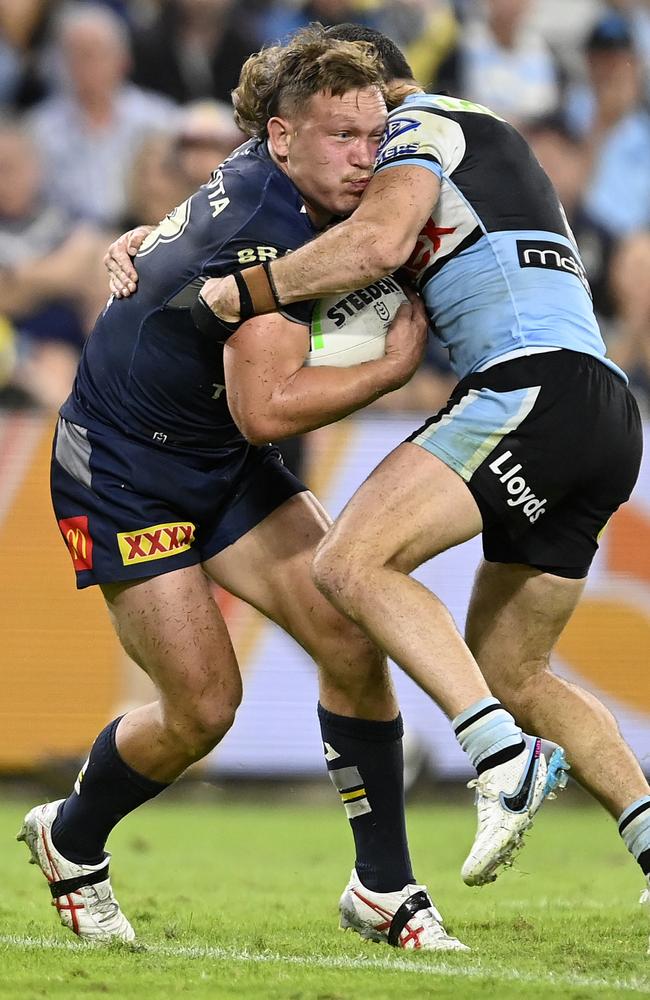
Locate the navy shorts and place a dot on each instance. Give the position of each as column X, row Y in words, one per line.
column 129, row 510
column 549, row 446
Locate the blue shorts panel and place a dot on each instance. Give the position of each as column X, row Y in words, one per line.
column 474, row 425
column 128, row 511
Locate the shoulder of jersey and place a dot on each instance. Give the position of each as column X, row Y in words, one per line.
column 441, row 104
column 248, row 173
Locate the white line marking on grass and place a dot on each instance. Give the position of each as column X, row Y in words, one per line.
column 419, row 966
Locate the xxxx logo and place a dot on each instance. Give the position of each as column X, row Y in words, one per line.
column 156, row 542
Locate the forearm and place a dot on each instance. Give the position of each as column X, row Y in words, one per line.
column 375, row 241
column 349, row 256
column 311, row 398
column 43, row 280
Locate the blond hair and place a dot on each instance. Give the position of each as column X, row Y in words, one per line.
column 281, row 79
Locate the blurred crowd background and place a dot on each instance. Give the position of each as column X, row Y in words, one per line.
column 113, row 112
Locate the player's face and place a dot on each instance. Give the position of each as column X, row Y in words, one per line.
column 329, row 149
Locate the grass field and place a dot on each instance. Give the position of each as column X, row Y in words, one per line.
column 240, row 901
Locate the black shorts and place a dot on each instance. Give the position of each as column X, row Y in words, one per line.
column 128, row 510
column 549, row 446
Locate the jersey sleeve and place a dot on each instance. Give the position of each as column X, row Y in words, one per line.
column 421, row 137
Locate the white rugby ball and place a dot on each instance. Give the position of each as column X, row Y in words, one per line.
column 351, row 328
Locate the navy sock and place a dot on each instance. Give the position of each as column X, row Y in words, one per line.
column 106, row 790
column 366, row 765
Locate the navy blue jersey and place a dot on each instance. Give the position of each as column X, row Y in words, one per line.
column 146, row 370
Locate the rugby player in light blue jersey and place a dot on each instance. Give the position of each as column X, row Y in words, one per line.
column 537, row 447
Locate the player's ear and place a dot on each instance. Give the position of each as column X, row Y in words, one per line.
column 279, row 131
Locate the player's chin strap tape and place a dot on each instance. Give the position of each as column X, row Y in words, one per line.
column 418, row 901
column 257, row 292
column 68, row 885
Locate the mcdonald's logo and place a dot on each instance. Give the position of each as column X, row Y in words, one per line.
column 77, row 537
column 155, row 542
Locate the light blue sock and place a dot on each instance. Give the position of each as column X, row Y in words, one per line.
column 485, row 731
column 634, row 828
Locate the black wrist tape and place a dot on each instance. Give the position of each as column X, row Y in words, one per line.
column 246, row 309
column 269, row 274
column 206, row 321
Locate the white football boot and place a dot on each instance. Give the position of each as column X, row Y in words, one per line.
column 404, row 919
column 508, row 797
column 82, row 894
column 645, row 901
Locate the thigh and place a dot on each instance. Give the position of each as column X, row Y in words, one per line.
column 270, row 568
column 270, row 564
column 411, row 507
column 515, row 617
column 264, row 484
column 171, row 626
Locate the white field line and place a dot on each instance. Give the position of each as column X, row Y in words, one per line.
column 349, row 963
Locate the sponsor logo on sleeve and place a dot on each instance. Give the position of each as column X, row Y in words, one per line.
column 80, row 544
column 395, row 127
column 155, row 542
column 217, row 193
column 520, row 492
column 552, row 257
column 401, row 149
column 388, row 149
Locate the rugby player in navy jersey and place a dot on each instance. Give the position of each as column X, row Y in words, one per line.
column 537, row 447
column 158, row 490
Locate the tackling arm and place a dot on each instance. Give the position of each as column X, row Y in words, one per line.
column 376, row 240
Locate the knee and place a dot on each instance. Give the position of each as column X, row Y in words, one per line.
column 520, row 694
column 337, row 572
column 327, row 569
column 198, row 726
column 353, row 674
column 346, row 656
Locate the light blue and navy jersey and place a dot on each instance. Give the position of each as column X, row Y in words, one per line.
column 496, row 263
column 146, row 370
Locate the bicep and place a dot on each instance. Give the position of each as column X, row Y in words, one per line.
column 399, row 200
column 261, row 357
